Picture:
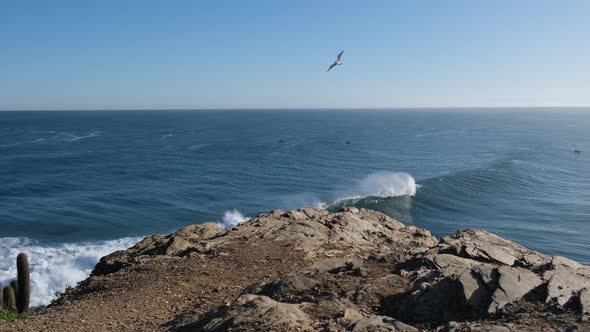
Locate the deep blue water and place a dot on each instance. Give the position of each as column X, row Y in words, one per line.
column 91, row 176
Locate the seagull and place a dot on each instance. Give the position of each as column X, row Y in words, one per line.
column 337, row 62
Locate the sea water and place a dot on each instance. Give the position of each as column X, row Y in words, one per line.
column 77, row 185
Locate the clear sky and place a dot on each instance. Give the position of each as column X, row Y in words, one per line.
column 125, row 54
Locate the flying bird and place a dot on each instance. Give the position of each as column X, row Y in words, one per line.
column 337, row 62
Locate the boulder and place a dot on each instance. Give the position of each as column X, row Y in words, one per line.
column 585, row 301
column 314, row 213
column 475, row 327
column 255, row 312
column 295, row 215
column 513, row 284
column 148, row 245
column 478, row 286
column 449, row 265
column 124, row 258
column 564, row 284
column 376, row 323
column 352, row 315
column 199, row 232
column 157, row 245
column 441, row 301
column 456, row 287
column 560, row 263
column 331, row 307
column 175, row 246
column 289, row 285
column 487, row 247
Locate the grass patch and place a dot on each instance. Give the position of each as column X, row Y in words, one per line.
column 9, row 315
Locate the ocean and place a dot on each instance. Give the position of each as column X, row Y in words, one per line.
column 77, row 185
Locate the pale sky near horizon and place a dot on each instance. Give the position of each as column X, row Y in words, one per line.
column 272, row 54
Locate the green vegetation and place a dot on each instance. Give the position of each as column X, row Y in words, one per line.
column 14, row 298
column 9, row 314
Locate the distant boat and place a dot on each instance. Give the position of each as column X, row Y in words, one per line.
column 577, row 151
column 347, row 142
column 281, row 141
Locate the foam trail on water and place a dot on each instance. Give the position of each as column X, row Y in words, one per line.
column 53, row 269
column 77, row 138
column 232, row 218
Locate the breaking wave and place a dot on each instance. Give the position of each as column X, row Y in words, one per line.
column 388, row 192
column 232, row 218
column 53, row 269
column 380, row 184
column 387, row 184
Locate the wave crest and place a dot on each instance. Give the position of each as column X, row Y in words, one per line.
column 387, row 184
column 232, row 218
column 378, row 184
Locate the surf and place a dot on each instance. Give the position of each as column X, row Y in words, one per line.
column 55, row 267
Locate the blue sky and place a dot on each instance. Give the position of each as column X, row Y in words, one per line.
column 247, row 54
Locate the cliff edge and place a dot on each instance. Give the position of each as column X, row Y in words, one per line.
column 311, row 270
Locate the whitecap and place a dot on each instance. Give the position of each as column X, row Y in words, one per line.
column 77, row 138
column 387, row 184
column 232, row 218
column 379, row 184
column 197, row 147
column 54, row 268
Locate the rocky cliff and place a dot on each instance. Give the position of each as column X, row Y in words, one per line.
column 311, row 270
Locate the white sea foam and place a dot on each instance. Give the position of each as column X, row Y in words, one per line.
column 74, row 138
column 54, row 268
column 380, row 184
column 387, row 184
column 197, row 147
column 232, row 218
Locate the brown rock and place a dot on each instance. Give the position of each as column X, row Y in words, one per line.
column 486, row 247
column 563, row 285
column 251, row 312
column 513, row 285
column 585, row 301
column 376, row 323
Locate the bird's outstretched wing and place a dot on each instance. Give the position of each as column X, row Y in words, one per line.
column 332, row 66
column 339, row 55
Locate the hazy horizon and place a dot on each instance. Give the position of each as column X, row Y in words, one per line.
column 66, row 55
column 425, row 108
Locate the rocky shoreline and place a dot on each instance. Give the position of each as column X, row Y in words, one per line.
column 311, row 270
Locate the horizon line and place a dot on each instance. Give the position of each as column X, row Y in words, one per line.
column 290, row 108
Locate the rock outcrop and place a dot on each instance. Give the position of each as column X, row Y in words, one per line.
column 312, row 270
column 471, row 275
